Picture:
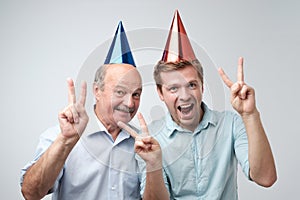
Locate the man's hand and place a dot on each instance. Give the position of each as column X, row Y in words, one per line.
column 242, row 95
column 261, row 161
column 145, row 145
column 41, row 176
column 73, row 119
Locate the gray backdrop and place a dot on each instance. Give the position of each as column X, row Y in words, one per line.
column 44, row 42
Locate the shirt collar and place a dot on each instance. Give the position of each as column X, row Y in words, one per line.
column 95, row 126
column 208, row 118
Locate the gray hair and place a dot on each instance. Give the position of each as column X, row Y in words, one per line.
column 100, row 76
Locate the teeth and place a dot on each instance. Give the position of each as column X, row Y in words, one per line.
column 185, row 106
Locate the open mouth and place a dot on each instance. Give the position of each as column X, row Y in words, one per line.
column 185, row 109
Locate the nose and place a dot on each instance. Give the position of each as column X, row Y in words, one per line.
column 129, row 102
column 184, row 94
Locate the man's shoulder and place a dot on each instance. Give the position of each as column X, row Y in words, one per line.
column 158, row 127
column 222, row 113
column 50, row 133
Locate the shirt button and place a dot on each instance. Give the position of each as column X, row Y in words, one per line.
column 113, row 187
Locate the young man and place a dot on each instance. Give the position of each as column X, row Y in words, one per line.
column 196, row 150
column 88, row 156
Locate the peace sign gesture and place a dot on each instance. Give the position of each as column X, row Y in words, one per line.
column 145, row 145
column 73, row 119
column 242, row 95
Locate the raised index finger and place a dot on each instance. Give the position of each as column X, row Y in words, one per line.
column 143, row 124
column 240, row 74
column 71, row 91
column 83, row 93
column 124, row 126
column 225, row 78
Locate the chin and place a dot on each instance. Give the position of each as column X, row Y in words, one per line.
column 123, row 119
column 188, row 122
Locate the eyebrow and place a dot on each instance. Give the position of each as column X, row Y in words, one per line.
column 120, row 86
column 170, row 85
column 194, row 81
column 139, row 90
column 126, row 88
column 179, row 84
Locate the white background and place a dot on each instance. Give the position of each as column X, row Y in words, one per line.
column 44, row 42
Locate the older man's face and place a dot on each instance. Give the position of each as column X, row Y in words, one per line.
column 120, row 98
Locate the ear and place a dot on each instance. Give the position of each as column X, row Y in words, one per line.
column 160, row 94
column 96, row 91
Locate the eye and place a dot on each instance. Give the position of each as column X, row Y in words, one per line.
column 136, row 95
column 120, row 93
column 192, row 85
column 173, row 89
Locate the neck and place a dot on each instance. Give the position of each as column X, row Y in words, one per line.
column 110, row 125
column 113, row 130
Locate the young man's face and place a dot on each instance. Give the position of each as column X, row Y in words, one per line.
column 182, row 93
column 120, row 98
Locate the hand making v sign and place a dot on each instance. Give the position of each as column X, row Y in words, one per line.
column 73, row 119
column 145, row 145
column 242, row 95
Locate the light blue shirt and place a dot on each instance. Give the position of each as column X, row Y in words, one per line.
column 97, row 168
column 201, row 164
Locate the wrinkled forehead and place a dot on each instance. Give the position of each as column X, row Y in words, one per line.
column 131, row 84
column 124, row 77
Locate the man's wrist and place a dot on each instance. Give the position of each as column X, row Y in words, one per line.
column 151, row 167
column 250, row 116
column 68, row 141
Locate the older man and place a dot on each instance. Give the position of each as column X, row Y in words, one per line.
column 88, row 156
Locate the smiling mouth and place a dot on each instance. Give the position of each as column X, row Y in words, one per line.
column 185, row 109
column 125, row 110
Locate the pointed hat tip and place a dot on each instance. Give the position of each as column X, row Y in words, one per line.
column 119, row 51
column 120, row 24
column 178, row 46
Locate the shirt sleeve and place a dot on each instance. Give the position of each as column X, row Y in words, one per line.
column 241, row 144
column 45, row 140
column 142, row 175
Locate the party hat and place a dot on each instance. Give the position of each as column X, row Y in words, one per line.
column 178, row 46
column 119, row 51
